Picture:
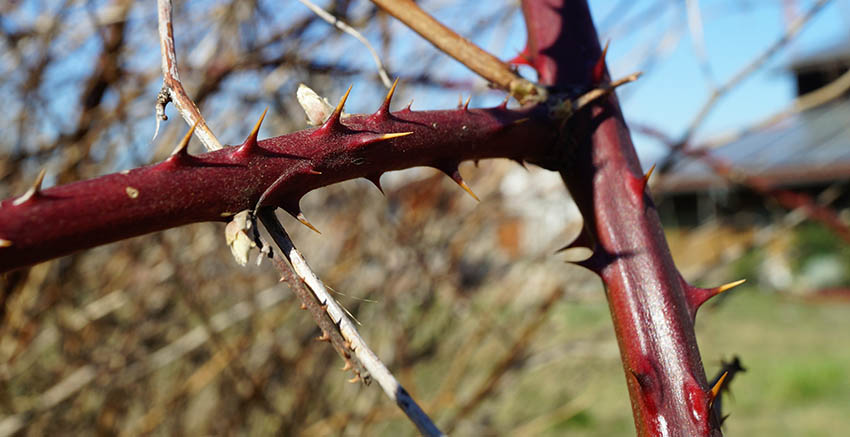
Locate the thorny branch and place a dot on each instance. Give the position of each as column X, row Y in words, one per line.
column 352, row 340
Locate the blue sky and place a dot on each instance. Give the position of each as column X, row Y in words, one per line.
column 667, row 97
column 673, row 90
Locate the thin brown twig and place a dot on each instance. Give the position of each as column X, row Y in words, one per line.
column 464, row 51
column 171, row 82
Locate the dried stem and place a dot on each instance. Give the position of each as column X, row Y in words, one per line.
column 353, row 341
column 476, row 59
column 172, row 85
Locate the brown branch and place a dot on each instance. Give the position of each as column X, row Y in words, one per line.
column 172, row 85
column 476, row 59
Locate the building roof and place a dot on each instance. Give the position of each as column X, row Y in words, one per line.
column 808, row 148
column 834, row 54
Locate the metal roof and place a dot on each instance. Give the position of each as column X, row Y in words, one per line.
column 808, row 148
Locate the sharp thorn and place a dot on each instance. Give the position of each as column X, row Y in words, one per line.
column 338, row 111
column 311, row 171
column 393, row 135
column 409, row 105
column 251, row 141
column 323, row 337
column 375, row 179
column 504, row 104
column 303, row 307
column 729, row 286
column 520, row 121
column 715, row 391
column 355, row 379
column 347, row 366
column 599, row 67
column 460, row 100
column 648, row 175
column 466, row 105
column 468, row 190
column 303, row 220
column 385, row 106
column 33, row 190
column 184, row 143
column 454, row 173
column 5, row 243
column 391, row 91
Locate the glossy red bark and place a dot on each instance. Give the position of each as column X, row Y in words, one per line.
column 214, row 186
column 651, row 306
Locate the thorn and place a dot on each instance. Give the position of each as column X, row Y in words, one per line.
column 303, row 307
column 466, row 105
column 376, row 180
column 504, row 104
column 181, row 149
column 368, row 138
column 459, row 100
column 347, row 366
column 520, row 121
column 323, row 337
column 521, row 58
column 391, row 136
column 698, row 296
column 384, row 109
column 453, row 172
column 355, row 379
column 250, row 143
column 583, row 239
column 303, row 220
column 324, row 307
column 409, row 105
column 729, row 286
column 5, row 243
column 333, row 122
column 295, row 211
column 716, row 389
column 338, row 111
column 311, row 171
column 648, row 174
column 33, row 191
column 599, row 68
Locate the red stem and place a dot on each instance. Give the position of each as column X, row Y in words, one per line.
column 651, row 306
column 213, row 186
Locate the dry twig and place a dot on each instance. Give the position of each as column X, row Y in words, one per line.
column 354, row 342
column 172, row 88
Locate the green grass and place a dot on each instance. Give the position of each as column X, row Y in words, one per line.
column 797, row 356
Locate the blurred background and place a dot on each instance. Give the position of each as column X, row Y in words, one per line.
column 743, row 105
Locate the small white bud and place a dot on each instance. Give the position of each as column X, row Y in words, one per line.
column 238, row 239
column 318, row 108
